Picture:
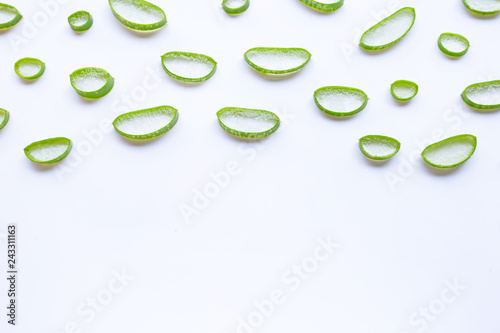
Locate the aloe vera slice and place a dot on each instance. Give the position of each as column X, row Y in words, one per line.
column 379, row 147
column 80, row 21
column 340, row 101
column 404, row 90
column 248, row 123
column 29, row 68
column 48, row 151
column 453, row 45
column 484, row 95
column 188, row 67
column 450, row 152
column 234, row 7
column 483, row 7
column 9, row 16
column 388, row 31
column 324, row 5
column 138, row 14
column 146, row 124
column 4, row 118
column 275, row 60
column 92, row 82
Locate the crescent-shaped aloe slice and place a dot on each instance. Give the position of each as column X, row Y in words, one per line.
column 4, row 118
column 29, row 68
column 48, row 151
column 248, row 123
column 483, row 7
column 378, row 147
column 453, row 45
column 275, row 60
column 388, row 31
column 324, row 5
column 147, row 123
column 340, row 101
column 92, row 82
column 404, row 90
column 484, row 95
column 9, row 16
column 450, row 152
column 80, row 21
column 138, row 14
column 234, row 7
column 188, row 67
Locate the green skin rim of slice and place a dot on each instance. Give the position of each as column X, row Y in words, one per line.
column 469, row 136
column 249, row 135
column 322, row 7
column 151, row 135
column 103, row 91
column 282, row 71
column 33, row 77
column 479, row 106
column 235, row 11
column 5, row 118
column 139, row 26
column 14, row 21
column 84, row 27
column 196, row 56
column 48, row 141
column 381, row 137
column 451, row 53
column 380, row 47
column 405, row 82
column 340, row 114
column 475, row 11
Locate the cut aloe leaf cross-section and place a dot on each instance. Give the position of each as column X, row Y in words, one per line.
column 4, row 118
column 29, row 68
column 275, row 60
column 453, row 45
column 404, row 90
column 48, row 151
column 450, row 152
column 379, row 147
column 340, row 101
column 388, row 31
column 234, row 7
column 138, row 14
column 324, row 5
column 9, row 16
column 80, row 21
column 188, row 67
column 92, row 82
column 146, row 124
column 484, row 95
column 248, row 123
column 483, row 7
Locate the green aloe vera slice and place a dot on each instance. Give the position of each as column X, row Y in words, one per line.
column 80, row 21
column 275, row 60
column 248, row 123
column 92, row 82
column 324, row 5
column 453, row 45
column 146, row 124
column 450, row 152
column 188, row 67
column 9, row 16
column 340, row 101
column 404, row 90
column 234, row 7
column 48, row 151
column 388, row 31
column 484, row 95
column 4, row 118
column 483, row 7
column 138, row 14
column 29, row 68
column 379, row 147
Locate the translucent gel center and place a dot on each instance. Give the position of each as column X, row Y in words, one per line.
column 235, row 3
column 379, row 147
column 29, row 68
column 89, row 80
column 137, row 11
column 249, row 122
column 450, row 152
column 188, row 67
column 390, row 30
column 340, row 100
column 453, row 43
column 145, row 122
column 7, row 14
column 485, row 94
column 277, row 59
column 47, row 152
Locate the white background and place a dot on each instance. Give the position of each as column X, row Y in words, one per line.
column 118, row 206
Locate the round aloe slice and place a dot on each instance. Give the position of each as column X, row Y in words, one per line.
column 188, row 67
column 378, row 147
column 29, row 68
column 138, row 14
column 450, row 152
column 146, row 124
column 404, row 90
column 9, row 16
column 340, row 101
column 80, row 21
column 388, row 31
column 92, row 82
column 453, row 45
column 275, row 60
column 324, row 5
column 484, row 95
column 483, row 7
column 48, row 151
column 4, row 118
column 234, row 7
column 248, row 123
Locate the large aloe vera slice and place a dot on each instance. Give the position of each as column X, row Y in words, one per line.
column 483, row 7
column 484, row 95
column 48, row 151
column 404, row 90
column 9, row 16
column 276, row 60
column 248, row 123
column 450, row 152
column 29, row 68
column 92, row 82
column 146, row 124
column 453, row 45
column 188, row 67
column 379, row 147
column 138, row 14
column 340, row 101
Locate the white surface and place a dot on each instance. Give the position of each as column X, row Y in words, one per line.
column 119, row 208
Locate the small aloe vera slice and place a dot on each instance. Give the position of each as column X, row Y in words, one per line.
column 324, row 5
column 92, row 82
column 404, row 90
column 450, row 152
column 188, row 67
column 80, row 21
column 483, row 7
column 275, row 60
column 378, row 147
column 147, row 123
column 234, row 7
column 484, row 95
column 248, row 123
column 388, row 31
column 138, row 14
column 9, row 16
column 340, row 101
column 29, row 68
column 4, row 118
column 453, row 45
column 48, row 151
